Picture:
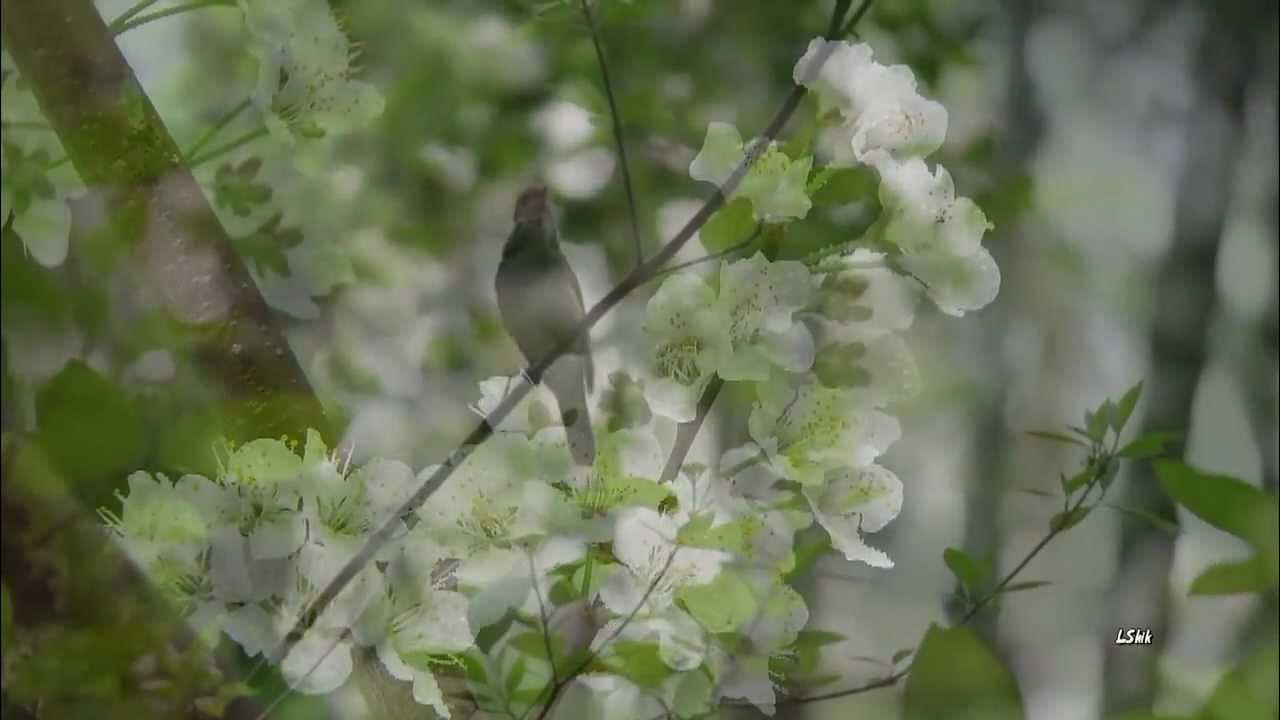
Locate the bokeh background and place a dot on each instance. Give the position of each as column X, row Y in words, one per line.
column 1126, row 152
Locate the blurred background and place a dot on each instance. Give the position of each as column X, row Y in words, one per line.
column 1125, row 151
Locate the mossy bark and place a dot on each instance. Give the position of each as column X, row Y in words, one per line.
column 156, row 211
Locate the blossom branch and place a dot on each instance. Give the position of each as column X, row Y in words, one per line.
column 616, row 117
column 679, row 450
column 1055, row 529
column 638, row 276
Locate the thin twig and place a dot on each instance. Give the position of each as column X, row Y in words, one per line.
column 481, row 432
column 229, row 146
column 546, row 624
column 619, row 144
column 141, row 20
column 208, row 136
column 129, row 14
column 713, row 256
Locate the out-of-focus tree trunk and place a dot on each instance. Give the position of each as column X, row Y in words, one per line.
column 1019, row 135
column 1185, row 301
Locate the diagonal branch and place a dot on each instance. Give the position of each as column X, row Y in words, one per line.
column 619, row 143
column 636, row 278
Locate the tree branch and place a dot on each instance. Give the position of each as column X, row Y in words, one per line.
column 619, row 144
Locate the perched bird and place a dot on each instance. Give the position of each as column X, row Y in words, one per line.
column 541, row 304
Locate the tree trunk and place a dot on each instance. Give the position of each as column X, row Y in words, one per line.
column 1179, row 341
column 124, row 154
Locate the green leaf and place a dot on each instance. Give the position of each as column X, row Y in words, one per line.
column 1148, row 445
column 1167, row 526
column 1069, row 518
column 956, row 676
column 1052, row 436
column 729, row 226
column 534, row 645
column 516, row 676
column 722, row 605
column 474, row 667
column 817, row 638
column 970, row 571
column 91, row 429
column 623, row 402
column 266, row 246
column 1248, row 692
column 693, row 695
column 639, row 662
column 1224, row 502
column 1097, row 422
column 235, row 189
column 527, row 696
column 1077, row 481
column 1228, row 578
column 490, row 634
column 839, row 186
column 1124, row 408
column 811, row 544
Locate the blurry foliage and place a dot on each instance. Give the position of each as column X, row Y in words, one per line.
column 955, row 675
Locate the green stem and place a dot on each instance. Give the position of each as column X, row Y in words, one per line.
column 618, row 142
column 713, row 256
column 217, row 127
column 986, row 599
column 141, row 20
column 227, row 147
column 586, row 576
column 129, row 14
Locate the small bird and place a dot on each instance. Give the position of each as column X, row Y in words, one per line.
column 541, row 304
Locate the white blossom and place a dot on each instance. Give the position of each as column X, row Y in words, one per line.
column 775, row 184
column 883, row 118
column 689, row 338
column 852, row 501
column 805, row 431
column 654, row 564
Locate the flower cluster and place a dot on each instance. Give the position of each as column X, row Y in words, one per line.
column 305, row 69
column 875, row 116
column 247, row 551
column 627, row 589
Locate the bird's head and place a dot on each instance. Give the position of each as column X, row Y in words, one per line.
column 532, row 207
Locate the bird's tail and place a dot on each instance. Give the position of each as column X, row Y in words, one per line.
column 566, row 381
